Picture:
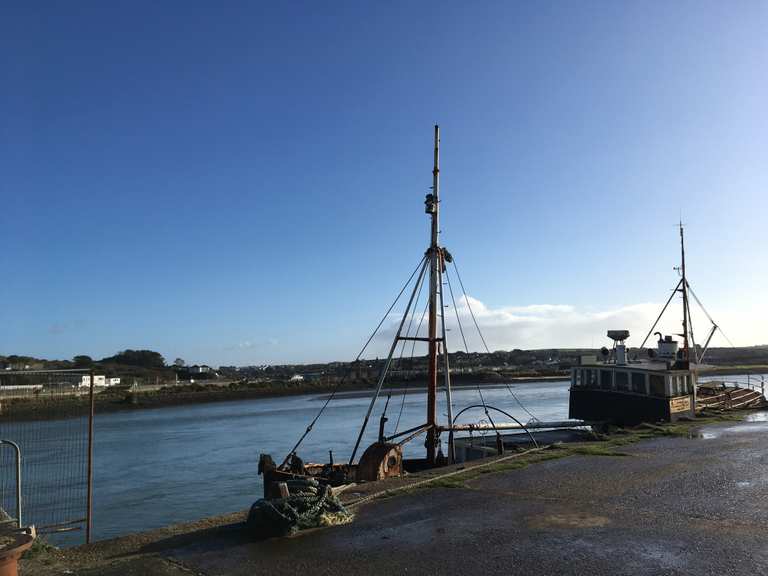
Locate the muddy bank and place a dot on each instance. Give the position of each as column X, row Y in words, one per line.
column 51, row 406
column 43, row 406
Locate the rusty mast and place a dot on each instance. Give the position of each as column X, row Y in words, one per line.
column 433, row 208
column 433, row 261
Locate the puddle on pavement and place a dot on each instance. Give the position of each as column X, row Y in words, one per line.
column 757, row 417
column 755, row 422
column 568, row 521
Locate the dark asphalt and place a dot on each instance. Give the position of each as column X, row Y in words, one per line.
column 673, row 506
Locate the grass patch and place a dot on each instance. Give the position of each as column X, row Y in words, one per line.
column 595, row 450
column 457, row 481
column 604, row 444
column 39, row 548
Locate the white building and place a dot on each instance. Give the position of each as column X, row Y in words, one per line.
column 202, row 369
column 85, row 381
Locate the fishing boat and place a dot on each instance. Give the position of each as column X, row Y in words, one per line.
column 662, row 387
column 624, row 391
column 385, row 457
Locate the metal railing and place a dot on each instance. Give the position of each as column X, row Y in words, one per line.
column 18, row 477
column 51, row 413
column 751, row 383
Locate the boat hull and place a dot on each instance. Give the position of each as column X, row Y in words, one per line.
column 628, row 409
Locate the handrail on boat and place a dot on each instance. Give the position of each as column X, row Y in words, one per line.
column 507, row 414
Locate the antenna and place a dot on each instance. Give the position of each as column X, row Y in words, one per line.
column 684, row 288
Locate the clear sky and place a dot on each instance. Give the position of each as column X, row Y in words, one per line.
column 242, row 182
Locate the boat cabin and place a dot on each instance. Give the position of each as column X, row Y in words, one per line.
column 623, row 391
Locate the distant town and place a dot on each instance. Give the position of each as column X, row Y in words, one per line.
column 150, row 367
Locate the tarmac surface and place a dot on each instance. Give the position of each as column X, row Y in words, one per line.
column 669, row 506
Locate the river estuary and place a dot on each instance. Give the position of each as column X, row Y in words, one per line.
column 156, row 467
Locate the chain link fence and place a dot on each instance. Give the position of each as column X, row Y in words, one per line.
column 48, row 415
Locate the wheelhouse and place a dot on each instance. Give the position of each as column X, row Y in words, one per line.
column 625, row 391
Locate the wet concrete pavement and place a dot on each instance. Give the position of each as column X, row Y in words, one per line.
column 670, row 506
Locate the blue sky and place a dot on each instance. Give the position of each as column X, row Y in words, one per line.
column 242, row 182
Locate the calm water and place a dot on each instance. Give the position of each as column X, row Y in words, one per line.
column 169, row 465
column 163, row 466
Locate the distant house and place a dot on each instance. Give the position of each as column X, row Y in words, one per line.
column 18, row 366
column 200, row 369
column 98, row 380
column 113, row 381
column 296, row 378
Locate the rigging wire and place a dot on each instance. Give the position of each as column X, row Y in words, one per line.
column 708, row 316
column 699, row 303
column 419, row 288
column 477, row 326
column 469, row 306
column 388, row 362
column 357, row 358
column 466, row 347
column 407, row 382
column 402, row 346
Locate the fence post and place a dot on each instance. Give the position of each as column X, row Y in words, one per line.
column 89, row 520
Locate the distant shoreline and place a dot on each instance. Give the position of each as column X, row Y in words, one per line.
column 54, row 407
column 45, row 407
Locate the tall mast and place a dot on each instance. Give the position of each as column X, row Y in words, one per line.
column 684, row 288
column 434, row 276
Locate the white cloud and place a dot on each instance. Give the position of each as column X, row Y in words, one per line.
column 250, row 344
column 538, row 325
column 549, row 325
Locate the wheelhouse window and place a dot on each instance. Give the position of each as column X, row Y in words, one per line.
column 622, row 381
column 592, row 379
column 638, row 383
column 656, row 382
column 606, row 379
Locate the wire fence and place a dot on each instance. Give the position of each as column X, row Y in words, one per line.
column 47, row 413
